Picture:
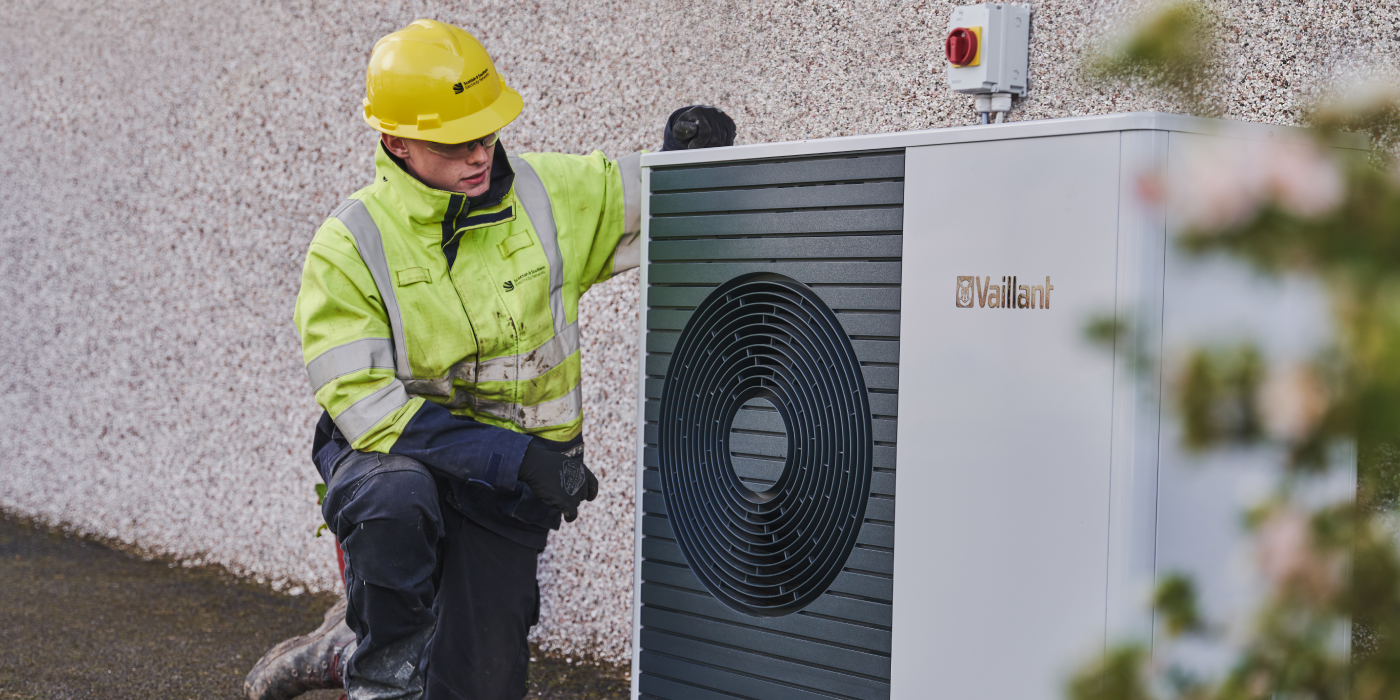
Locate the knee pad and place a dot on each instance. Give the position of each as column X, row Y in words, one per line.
column 389, row 523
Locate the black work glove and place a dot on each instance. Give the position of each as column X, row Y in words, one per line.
column 697, row 126
column 557, row 479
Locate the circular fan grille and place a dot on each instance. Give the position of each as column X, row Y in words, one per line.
column 769, row 552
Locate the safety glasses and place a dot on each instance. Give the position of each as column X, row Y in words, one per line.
column 462, row 150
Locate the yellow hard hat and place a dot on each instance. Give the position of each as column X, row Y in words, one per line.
column 435, row 82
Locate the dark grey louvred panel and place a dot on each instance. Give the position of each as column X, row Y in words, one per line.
column 833, row 224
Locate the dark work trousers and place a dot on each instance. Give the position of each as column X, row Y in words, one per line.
column 440, row 606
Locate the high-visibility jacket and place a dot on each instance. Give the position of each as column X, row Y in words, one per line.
column 420, row 308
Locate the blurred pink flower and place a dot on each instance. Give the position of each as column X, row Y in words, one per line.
column 1359, row 101
column 1289, row 558
column 1218, row 189
column 1285, row 544
column 1292, row 402
column 1305, row 180
column 1224, row 186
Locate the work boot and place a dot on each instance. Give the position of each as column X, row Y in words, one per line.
column 302, row 664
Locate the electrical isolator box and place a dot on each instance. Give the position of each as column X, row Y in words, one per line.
column 988, row 49
column 879, row 453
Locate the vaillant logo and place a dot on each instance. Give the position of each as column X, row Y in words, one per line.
column 1007, row 294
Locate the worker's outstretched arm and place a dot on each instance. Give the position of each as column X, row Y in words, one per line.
column 597, row 202
column 597, row 206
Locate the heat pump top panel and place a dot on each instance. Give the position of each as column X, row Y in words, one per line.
column 878, row 457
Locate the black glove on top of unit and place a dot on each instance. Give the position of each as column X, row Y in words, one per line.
column 697, row 126
column 557, row 479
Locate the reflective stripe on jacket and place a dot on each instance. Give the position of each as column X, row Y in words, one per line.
column 386, row 325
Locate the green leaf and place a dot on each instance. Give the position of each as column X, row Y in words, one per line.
column 1172, row 48
column 321, row 529
column 320, row 495
column 1175, row 599
column 1118, row 676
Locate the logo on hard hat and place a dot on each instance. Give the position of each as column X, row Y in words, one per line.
column 1008, row 294
column 459, row 88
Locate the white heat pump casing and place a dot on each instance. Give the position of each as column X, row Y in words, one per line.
column 1040, row 486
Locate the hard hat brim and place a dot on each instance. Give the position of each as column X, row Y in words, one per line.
column 492, row 118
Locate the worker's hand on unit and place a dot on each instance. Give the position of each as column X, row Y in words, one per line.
column 698, row 126
column 557, row 479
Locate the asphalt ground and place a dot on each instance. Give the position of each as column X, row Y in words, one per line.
column 79, row 619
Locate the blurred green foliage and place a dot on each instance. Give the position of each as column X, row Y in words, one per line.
column 321, row 498
column 1175, row 602
column 1105, row 330
column 1173, row 49
column 1216, row 398
column 1332, row 567
column 1118, row 676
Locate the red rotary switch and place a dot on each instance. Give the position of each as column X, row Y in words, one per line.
column 961, row 47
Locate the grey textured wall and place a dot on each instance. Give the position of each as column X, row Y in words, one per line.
column 165, row 164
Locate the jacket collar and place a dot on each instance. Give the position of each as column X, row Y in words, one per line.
column 426, row 206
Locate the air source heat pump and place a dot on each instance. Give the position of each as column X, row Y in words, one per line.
column 879, row 455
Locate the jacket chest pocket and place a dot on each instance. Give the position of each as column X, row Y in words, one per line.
column 516, row 241
column 411, row 276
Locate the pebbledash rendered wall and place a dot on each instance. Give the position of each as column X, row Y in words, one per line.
column 166, row 163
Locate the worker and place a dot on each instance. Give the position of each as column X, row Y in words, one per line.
column 438, row 315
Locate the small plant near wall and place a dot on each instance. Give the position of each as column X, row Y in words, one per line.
column 1286, row 210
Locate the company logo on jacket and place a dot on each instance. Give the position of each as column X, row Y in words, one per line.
column 524, row 277
column 1008, row 294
